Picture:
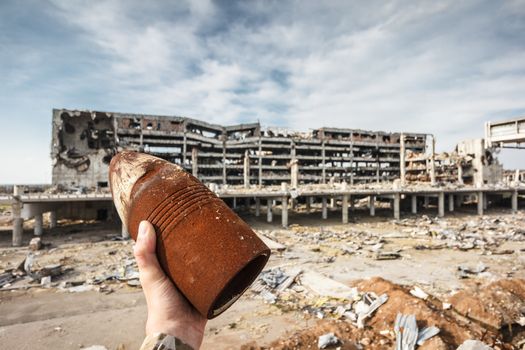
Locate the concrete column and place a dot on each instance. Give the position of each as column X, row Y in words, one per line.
column 433, row 162
column 184, row 149
column 234, row 202
column 459, row 200
column 425, row 202
column 460, row 174
column 53, row 222
column 284, row 211
column 260, row 162
column 397, row 206
column 39, row 224
column 441, row 204
column 257, row 206
column 308, row 204
column 372, row 205
column 485, row 201
column 295, row 174
column 194, row 161
column 246, row 170
column 325, row 209
column 124, row 232
column 224, row 180
column 450, row 202
column 18, row 224
column 345, row 209
column 269, row 216
column 480, row 203
column 514, row 201
column 413, row 199
column 402, row 161
column 332, row 203
column 323, row 156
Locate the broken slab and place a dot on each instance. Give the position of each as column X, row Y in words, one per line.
column 35, row 244
column 327, row 340
column 474, row 345
column 273, row 245
column 327, row 287
column 387, row 255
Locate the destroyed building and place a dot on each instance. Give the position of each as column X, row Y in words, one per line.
column 271, row 166
column 83, row 143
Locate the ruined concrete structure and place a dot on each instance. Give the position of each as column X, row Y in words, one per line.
column 469, row 164
column 246, row 154
column 335, row 167
column 505, row 133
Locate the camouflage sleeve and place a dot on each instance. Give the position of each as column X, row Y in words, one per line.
column 161, row 341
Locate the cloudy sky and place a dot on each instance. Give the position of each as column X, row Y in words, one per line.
column 441, row 67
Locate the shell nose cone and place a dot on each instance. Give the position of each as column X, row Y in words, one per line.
column 124, row 170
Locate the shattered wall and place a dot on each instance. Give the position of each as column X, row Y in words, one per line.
column 484, row 167
column 82, row 146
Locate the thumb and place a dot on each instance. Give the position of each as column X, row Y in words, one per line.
column 150, row 271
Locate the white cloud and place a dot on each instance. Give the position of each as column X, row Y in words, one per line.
column 437, row 67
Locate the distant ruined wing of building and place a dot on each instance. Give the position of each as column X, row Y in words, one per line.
column 505, row 134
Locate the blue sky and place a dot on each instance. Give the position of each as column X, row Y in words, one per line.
column 438, row 67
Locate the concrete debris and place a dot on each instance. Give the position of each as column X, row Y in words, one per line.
column 418, row 293
column 49, row 270
column 134, row 283
column 407, row 333
column 38, row 273
column 95, row 347
column 268, row 296
column 35, row 244
column 273, row 245
column 387, row 256
column 467, row 272
column 327, row 340
column 327, row 287
column 46, row 282
column 426, row 333
column 6, row 279
column 272, row 282
column 81, row 288
column 474, row 345
column 273, row 278
column 367, row 305
column 28, row 263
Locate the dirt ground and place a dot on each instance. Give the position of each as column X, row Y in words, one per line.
column 93, row 301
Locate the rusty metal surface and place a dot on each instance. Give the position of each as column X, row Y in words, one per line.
column 210, row 253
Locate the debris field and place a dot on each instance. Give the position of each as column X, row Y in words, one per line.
column 417, row 283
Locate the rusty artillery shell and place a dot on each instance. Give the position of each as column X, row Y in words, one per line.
column 208, row 251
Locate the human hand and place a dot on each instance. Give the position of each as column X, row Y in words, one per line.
column 168, row 310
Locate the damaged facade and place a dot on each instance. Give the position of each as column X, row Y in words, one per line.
column 245, row 154
column 471, row 164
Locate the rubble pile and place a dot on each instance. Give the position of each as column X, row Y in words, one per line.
column 484, row 233
column 318, row 280
column 398, row 319
column 104, row 267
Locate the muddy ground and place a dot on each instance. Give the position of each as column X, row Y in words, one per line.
column 94, row 300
